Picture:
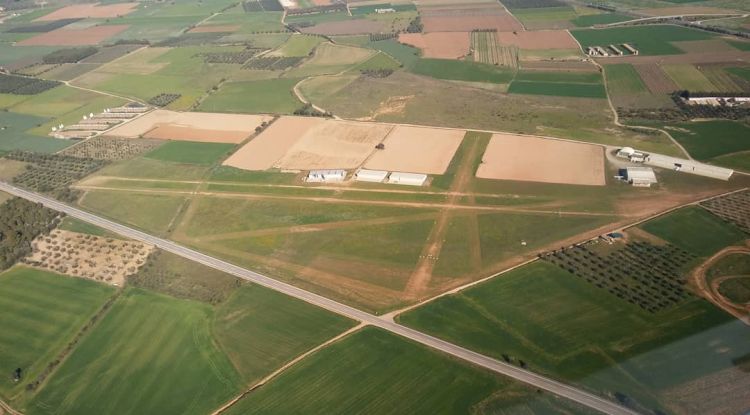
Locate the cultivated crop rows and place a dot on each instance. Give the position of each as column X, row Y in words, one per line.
column 20, row 222
column 163, row 99
column 734, row 208
column 262, row 6
column 272, row 63
column 532, row 4
column 22, row 85
column 487, row 49
column 70, row 55
column 649, row 276
column 42, row 27
column 52, row 173
column 229, row 57
column 111, row 148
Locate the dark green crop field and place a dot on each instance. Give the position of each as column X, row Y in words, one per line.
column 462, row 71
column 559, row 89
column 190, row 152
column 709, row 139
column 649, row 40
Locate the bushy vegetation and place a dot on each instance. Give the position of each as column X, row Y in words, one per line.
column 273, row 63
column 228, row 57
column 308, row 110
column 415, row 26
column 164, row 99
column 733, row 208
column 376, row 73
column 53, row 173
column 649, row 276
column 20, row 222
column 374, row 37
column 70, row 55
column 111, row 148
column 24, row 85
column 42, row 27
column 686, row 112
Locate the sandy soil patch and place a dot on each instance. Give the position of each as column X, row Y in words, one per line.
column 334, row 145
column 84, row 11
column 523, row 158
column 74, row 37
column 87, row 256
column 441, row 45
column 417, row 150
column 503, row 22
column 191, row 126
column 215, row 29
column 540, row 39
column 346, row 27
column 680, row 10
column 263, row 151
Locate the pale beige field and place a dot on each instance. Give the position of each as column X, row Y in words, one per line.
column 334, row 144
column 263, row 151
column 88, row 256
column 191, row 126
column 95, row 10
column 417, row 150
column 538, row 39
column 214, row 29
column 440, row 45
column 534, row 159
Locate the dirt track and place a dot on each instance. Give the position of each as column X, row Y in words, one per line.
column 698, row 278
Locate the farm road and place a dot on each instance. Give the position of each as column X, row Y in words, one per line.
column 712, row 293
column 582, row 397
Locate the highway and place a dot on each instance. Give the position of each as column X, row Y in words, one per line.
column 540, row 382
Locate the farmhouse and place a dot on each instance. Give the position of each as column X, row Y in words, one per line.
column 374, row 176
column 411, row 179
column 640, row 176
column 326, row 176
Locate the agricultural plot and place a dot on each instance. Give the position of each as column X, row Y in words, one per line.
column 74, row 37
column 722, row 79
column 710, row 139
column 52, row 173
column 13, row 135
column 695, row 230
column 152, row 213
column 89, row 11
column 272, row 96
column 331, row 59
column 546, row 18
column 500, row 21
column 655, row 79
column 593, row 338
column 599, row 19
column 143, row 331
column 462, row 71
column 733, row 208
column 22, row 85
column 37, row 327
column 191, row 152
column 87, row 256
column 538, row 40
column 417, row 381
column 436, row 148
column 21, row 222
column 346, row 27
column 649, row 40
column 565, row 84
column 298, row 46
column 486, row 49
column 688, row 77
column 272, row 63
column 440, row 45
column 626, row 89
column 112, row 148
column 513, row 157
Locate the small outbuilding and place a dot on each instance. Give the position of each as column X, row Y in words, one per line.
column 411, row 179
column 326, row 176
column 640, row 176
column 374, row 176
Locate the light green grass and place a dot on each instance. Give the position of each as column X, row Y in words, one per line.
column 150, row 212
column 191, row 152
column 559, row 89
column 299, row 45
column 688, row 77
column 462, row 71
column 695, row 230
column 146, row 168
column 42, row 311
column 266, row 96
column 75, row 225
column 599, row 19
column 407, row 55
column 148, row 346
column 14, row 136
column 623, row 79
column 710, row 139
column 331, row 59
column 649, row 40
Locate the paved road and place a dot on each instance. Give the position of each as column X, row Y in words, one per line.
column 537, row 381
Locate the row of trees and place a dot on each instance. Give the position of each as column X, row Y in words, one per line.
column 20, row 222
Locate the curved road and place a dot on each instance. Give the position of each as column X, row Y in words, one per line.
column 582, row 397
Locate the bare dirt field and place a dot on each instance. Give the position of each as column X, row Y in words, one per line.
column 451, row 23
column 346, row 27
column 441, row 45
column 655, row 79
column 714, row 45
column 540, row 39
column 334, row 145
column 263, row 151
column 191, row 126
column 696, row 57
column 215, row 29
column 534, row 159
column 680, row 10
column 417, row 150
column 74, row 37
column 94, row 10
column 88, row 256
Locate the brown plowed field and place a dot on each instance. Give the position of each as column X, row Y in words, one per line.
column 83, row 11
column 655, row 79
column 534, row 159
column 502, row 22
column 74, row 37
column 698, row 46
column 262, row 152
column 541, row 39
column 417, row 150
column 441, row 45
column 215, row 29
column 346, row 27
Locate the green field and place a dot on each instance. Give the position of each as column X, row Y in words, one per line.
column 42, row 312
column 148, row 346
column 74, row 225
column 191, row 152
column 562, row 326
column 462, row 71
column 559, row 76
column 267, row 96
column 743, row 72
column 599, row 19
column 695, row 230
column 407, row 55
column 623, row 79
column 330, row 59
column 649, row 40
column 299, row 45
column 149, row 212
column 688, row 77
column 375, row 372
column 13, row 135
column 736, row 290
column 710, row 139
column 260, row 329
column 559, row 89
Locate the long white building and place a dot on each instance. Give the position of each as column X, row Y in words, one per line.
column 675, row 163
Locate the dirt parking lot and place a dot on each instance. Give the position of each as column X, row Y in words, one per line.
column 74, row 37
column 263, row 151
column 539, row 39
column 84, row 11
column 417, row 150
column 441, row 45
column 191, row 126
column 535, row 159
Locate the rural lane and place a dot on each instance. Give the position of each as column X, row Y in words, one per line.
column 582, row 397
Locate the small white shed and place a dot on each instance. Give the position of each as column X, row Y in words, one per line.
column 640, row 176
column 411, row 179
column 326, row 176
column 375, row 176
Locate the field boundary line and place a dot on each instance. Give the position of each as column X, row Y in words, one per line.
column 286, row 366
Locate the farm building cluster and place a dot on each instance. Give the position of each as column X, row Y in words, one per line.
column 718, row 101
column 623, row 49
column 365, row 175
column 93, row 124
column 674, row 163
